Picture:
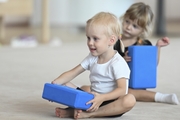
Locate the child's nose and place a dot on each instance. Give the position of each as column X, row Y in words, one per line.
column 129, row 26
column 90, row 42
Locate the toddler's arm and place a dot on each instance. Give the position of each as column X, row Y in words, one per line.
column 68, row 75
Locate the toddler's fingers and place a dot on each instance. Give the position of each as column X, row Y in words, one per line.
column 89, row 102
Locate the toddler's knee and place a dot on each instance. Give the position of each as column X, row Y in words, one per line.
column 129, row 101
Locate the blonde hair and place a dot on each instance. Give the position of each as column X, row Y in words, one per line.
column 107, row 20
column 144, row 16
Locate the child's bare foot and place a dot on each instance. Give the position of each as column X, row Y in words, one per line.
column 81, row 114
column 64, row 113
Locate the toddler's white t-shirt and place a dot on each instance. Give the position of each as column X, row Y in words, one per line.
column 103, row 76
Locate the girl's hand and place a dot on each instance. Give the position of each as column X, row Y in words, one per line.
column 163, row 42
column 96, row 102
column 126, row 57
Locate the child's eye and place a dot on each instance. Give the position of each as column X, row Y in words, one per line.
column 127, row 21
column 135, row 26
column 88, row 38
column 95, row 38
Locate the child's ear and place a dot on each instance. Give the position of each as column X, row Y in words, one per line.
column 113, row 40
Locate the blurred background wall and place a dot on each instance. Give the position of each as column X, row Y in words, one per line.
column 76, row 12
column 73, row 14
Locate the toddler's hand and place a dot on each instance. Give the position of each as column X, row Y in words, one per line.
column 53, row 82
column 96, row 102
column 163, row 42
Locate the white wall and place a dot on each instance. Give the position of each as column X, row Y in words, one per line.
column 171, row 8
column 77, row 12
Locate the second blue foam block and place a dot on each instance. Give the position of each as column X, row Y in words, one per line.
column 67, row 96
column 143, row 66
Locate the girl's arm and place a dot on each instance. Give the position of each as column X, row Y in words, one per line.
column 69, row 75
column 158, row 54
column 161, row 43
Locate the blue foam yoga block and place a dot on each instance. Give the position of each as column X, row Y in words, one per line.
column 67, row 96
column 143, row 66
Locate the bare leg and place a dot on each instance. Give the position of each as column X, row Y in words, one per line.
column 86, row 88
column 143, row 95
column 64, row 113
column 121, row 105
